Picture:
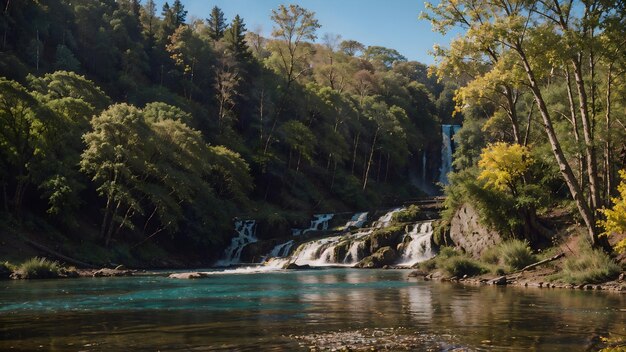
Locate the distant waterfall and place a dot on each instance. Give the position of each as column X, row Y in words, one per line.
column 447, row 149
column 417, row 247
column 246, row 234
column 319, row 223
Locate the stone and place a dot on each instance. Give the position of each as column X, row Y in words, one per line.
column 499, row 281
column 621, row 277
column 384, row 256
column 418, row 273
column 294, row 266
column 188, row 276
column 469, row 235
column 105, row 272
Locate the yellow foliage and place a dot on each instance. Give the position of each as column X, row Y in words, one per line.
column 615, row 218
column 501, row 164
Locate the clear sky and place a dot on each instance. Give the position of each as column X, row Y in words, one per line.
column 390, row 23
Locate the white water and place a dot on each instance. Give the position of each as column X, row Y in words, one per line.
column 281, row 250
column 419, row 248
column 384, row 220
column 319, row 223
column 246, row 234
column 357, row 221
column 447, row 148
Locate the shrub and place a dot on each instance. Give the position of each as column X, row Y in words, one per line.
column 589, row 267
column 409, row 214
column 516, row 254
column 460, row 266
column 39, row 268
column 5, row 270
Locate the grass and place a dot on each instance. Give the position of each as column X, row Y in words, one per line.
column 589, row 267
column 513, row 254
column 454, row 263
column 39, row 268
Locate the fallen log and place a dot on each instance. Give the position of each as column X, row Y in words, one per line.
column 534, row 265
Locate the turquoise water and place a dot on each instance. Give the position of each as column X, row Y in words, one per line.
column 296, row 310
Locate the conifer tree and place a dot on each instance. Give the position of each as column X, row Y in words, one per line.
column 216, row 23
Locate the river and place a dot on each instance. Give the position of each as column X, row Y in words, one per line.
column 293, row 310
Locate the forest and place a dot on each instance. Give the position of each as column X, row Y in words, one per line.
column 124, row 124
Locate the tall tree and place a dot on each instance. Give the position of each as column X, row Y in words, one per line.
column 216, row 24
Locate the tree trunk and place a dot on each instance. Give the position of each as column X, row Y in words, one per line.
column 572, row 111
column 369, row 161
column 608, row 165
column 564, row 167
column 590, row 152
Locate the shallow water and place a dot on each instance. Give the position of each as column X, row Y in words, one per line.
column 297, row 309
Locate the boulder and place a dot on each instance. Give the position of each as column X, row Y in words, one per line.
column 382, row 257
column 188, row 276
column 294, row 266
column 469, row 235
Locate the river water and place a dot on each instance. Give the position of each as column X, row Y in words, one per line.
column 294, row 310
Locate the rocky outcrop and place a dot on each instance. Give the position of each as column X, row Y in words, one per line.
column 469, row 235
column 188, row 276
column 382, row 257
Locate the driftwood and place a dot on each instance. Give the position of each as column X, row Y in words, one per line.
column 57, row 254
column 534, row 265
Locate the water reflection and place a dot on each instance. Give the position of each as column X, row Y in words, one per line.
column 245, row 312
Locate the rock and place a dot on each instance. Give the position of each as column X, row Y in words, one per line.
column 188, row 276
column 469, row 235
column 384, row 256
column 498, row 281
column 621, row 277
column 417, row 273
column 69, row 272
column 294, row 266
column 105, row 272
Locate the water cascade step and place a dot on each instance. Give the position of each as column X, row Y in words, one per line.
column 246, row 234
column 416, row 246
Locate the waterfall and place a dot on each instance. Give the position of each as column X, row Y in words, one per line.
column 357, row 221
column 246, row 234
column 424, row 167
column 416, row 246
column 319, row 223
column 447, row 149
column 281, row 250
column 322, row 252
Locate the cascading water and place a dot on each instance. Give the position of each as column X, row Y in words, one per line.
column 357, row 221
column 246, row 234
column 384, row 220
column 319, row 223
column 447, row 149
column 416, row 245
column 281, row 250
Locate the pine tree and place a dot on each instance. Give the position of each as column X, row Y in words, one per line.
column 216, row 23
column 235, row 37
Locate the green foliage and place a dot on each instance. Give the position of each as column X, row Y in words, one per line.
column 454, row 263
column 588, row 267
column 514, row 254
column 615, row 217
column 39, row 268
column 409, row 214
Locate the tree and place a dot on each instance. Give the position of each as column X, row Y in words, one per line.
column 351, row 47
column 503, row 166
column 216, row 24
column 615, row 217
column 235, row 38
column 387, row 57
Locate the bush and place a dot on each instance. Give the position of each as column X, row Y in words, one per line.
column 410, row 214
column 39, row 268
column 589, row 267
column 514, row 254
column 6, row 269
column 460, row 266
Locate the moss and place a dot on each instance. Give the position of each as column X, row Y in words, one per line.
column 384, row 256
column 441, row 233
column 410, row 214
column 385, row 237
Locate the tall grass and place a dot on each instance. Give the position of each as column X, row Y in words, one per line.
column 39, row 268
column 454, row 263
column 590, row 266
column 514, row 254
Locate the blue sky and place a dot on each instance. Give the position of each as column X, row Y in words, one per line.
column 390, row 23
